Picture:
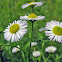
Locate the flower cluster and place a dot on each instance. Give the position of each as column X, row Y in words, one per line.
column 16, row 30
column 35, row 53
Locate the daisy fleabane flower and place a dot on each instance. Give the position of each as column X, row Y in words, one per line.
column 54, row 30
column 32, row 3
column 15, row 30
column 33, row 43
column 50, row 49
column 36, row 53
column 16, row 49
column 32, row 17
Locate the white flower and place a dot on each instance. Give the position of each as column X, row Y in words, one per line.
column 33, row 43
column 15, row 30
column 54, row 30
column 41, row 29
column 32, row 17
column 18, row 46
column 15, row 49
column 36, row 53
column 32, row 3
column 51, row 49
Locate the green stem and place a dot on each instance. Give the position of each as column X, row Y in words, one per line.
column 34, row 48
column 47, row 58
column 32, row 30
column 32, row 10
column 35, row 59
column 31, row 35
column 30, row 52
column 31, row 41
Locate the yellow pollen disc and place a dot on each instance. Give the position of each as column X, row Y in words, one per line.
column 14, row 28
column 57, row 30
column 16, row 49
column 51, row 49
column 31, row 2
column 32, row 15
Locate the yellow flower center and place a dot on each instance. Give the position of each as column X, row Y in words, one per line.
column 57, row 30
column 16, row 49
column 14, row 28
column 31, row 2
column 51, row 49
column 32, row 15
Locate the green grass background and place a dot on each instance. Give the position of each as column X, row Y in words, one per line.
column 11, row 10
